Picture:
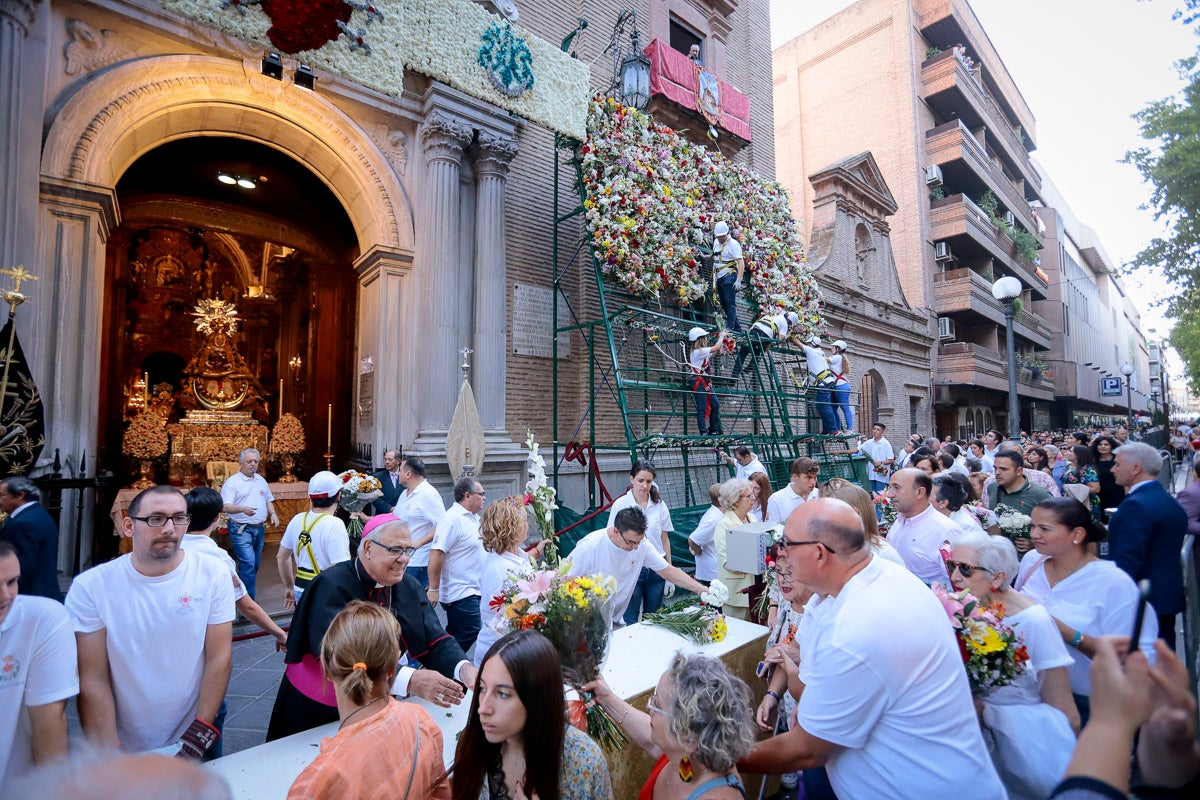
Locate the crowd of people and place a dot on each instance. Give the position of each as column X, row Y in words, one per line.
column 861, row 692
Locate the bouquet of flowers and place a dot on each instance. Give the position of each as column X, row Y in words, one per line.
column 288, row 436
column 762, row 604
column 539, row 495
column 889, row 511
column 992, row 652
column 986, row 517
column 700, row 623
column 1013, row 523
column 358, row 489
column 575, row 614
column 146, row 437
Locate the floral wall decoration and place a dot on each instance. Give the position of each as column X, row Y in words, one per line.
column 372, row 43
column 652, row 199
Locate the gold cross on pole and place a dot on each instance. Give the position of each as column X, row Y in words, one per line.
column 13, row 296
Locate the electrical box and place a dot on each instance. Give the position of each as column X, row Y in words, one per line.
column 746, row 546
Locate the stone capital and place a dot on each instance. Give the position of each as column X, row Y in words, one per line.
column 443, row 137
column 493, row 154
column 20, row 11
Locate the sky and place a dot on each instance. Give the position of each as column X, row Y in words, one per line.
column 1084, row 67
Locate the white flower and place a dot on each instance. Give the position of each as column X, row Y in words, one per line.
column 717, row 594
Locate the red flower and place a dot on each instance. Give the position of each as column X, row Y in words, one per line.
column 496, row 603
column 528, row 499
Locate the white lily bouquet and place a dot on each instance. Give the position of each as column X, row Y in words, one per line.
column 1013, row 523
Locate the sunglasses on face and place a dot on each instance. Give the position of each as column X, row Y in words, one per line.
column 964, row 569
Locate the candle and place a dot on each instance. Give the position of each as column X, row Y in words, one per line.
column 146, row 391
column 280, row 399
column 329, row 430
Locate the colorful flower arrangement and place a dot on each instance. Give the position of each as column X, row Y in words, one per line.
column 575, row 614
column 146, row 437
column 1013, row 524
column 984, row 515
column 652, row 199
column 887, row 509
column 358, row 490
column 288, row 436
column 994, row 654
column 701, row 624
column 540, row 496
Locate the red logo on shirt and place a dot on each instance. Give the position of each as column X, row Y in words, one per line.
column 10, row 668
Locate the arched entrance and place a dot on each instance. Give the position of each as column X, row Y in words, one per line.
column 134, row 108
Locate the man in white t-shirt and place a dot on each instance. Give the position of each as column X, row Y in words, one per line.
column 154, row 630
column 879, row 451
column 621, row 550
column 420, row 506
column 37, row 674
column 456, row 563
column 801, row 488
column 747, row 462
column 920, row 530
column 249, row 504
column 728, row 268
column 991, row 446
column 886, row 708
column 314, row 540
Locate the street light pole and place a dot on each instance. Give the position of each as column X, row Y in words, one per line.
column 1006, row 290
column 1127, row 371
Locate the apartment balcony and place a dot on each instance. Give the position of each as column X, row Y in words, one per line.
column 966, row 165
column 967, row 296
column 967, row 363
column 953, row 91
column 676, row 98
column 971, row 235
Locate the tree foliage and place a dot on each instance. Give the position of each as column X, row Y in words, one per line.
column 1185, row 338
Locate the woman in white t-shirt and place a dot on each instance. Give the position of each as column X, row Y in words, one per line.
column 504, row 527
column 839, row 364
column 643, row 494
column 1036, row 713
column 1085, row 596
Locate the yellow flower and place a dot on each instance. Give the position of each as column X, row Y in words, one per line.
column 666, row 190
column 991, row 642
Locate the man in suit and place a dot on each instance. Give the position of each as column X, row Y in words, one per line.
column 1146, row 533
column 389, row 479
column 32, row 531
column 305, row 699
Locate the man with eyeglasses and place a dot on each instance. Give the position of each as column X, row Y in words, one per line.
column 621, row 550
column 885, row 708
column 456, row 563
column 154, row 631
column 377, row 575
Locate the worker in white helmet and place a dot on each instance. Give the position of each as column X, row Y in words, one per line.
column 728, row 268
column 839, row 363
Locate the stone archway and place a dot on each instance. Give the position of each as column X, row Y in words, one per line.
column 872, row 397
column 134, row 107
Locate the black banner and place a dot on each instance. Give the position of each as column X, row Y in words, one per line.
column 22, row 418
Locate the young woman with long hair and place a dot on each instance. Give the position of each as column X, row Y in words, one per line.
column 517, row 742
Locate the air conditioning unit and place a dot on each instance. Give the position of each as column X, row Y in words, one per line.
column 1010, row 219
column 941, row 251
column 933, row 176
column 945, row 328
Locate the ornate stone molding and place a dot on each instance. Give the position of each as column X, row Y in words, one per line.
column 20, row 11
column 494, row 153
column 393, row 143
column 89, row 49
column 443, row 137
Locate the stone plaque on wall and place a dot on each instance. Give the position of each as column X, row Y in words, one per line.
column 366, row 398
column 533, row 323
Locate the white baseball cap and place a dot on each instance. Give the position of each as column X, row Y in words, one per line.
column 721, row 229
column 696, row 333
column 324, row 484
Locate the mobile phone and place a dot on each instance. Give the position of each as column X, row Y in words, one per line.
column 1140, row 614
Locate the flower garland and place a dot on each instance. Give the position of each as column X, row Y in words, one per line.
column 375, row 42
column 652, row 199
column 146, row 437
column 288, row 436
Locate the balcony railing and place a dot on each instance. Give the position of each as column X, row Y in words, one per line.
column 964, row 289
column 958, row 215
column 975, row 365
column 675, row 77
column 944, row 76
column 952, row 141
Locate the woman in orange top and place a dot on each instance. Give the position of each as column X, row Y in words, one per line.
column 384, row 749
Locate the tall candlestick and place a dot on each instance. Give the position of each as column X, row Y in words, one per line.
column 329, row 430
column 146, row 391
column 280, row 399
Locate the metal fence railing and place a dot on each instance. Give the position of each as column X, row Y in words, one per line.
column 1191, row 608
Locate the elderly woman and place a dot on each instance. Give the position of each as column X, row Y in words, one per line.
column 860, row 501
column 1085, row 596
column 697, row 724
column 737, row 498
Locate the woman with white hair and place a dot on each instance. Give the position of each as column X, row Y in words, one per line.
column 839, row 364
column 736, row 498
column 1036, row 713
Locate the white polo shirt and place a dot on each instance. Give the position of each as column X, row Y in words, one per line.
column 238, row 490
column 919, row 540
column 38, row 665
column 704, row 538
column 748, row 469
column 783, row 502
column 421, row 508
column 658, row 518
column 596, row 553
column 457, row 535
column 895, row 698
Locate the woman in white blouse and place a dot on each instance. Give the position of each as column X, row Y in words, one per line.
column 505, row 525
column 643, row 494
column 1085, row 596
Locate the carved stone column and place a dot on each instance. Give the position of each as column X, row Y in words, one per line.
column 18, row 151
column 443, row 138
column 382, row 286
column 494, row 154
